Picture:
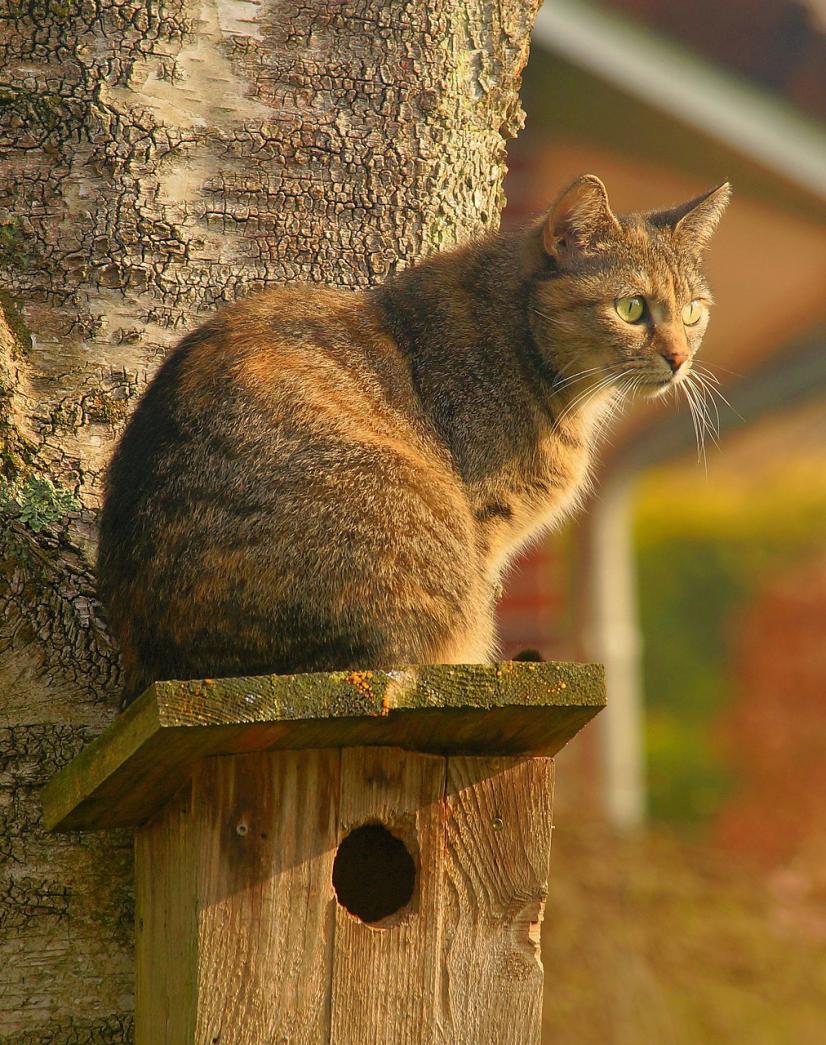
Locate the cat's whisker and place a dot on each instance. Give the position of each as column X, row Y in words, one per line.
column 706, row 404
column 566, row 368
column 617, row 406
column 578, row 374
column 572, row 406
column 704, row 424
column 588, row 393
column 569, row 409
column 703, row 417
column 709, row 401
column 728, row 403
column 699, row 368
column 614, row 406
column 734, row 373
column 602, row 383
column 575, row 379
column 627, row 385
column 558, row 386
column 634, row 383
column 700, row 448
column 716, row 391
column 637, row 384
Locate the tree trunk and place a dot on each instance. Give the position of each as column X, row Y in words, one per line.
column 158, row 160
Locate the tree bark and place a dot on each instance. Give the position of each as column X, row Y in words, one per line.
column 158, row 160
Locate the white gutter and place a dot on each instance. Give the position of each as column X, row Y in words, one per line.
column 613, row 637
column 670, row 78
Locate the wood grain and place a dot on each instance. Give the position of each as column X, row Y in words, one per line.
column 497, row 840
column 267, row 831
column 241, row 939
column 166, row 925
column 385, row 979
column 137, row 764
column 235, row 904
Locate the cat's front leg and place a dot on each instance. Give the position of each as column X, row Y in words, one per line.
column 475, row 643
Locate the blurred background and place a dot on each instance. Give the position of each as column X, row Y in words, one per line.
column 688, row 888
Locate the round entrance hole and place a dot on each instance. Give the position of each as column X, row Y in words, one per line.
column 373, row 873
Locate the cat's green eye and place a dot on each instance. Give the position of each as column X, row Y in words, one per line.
column 692, row 313
column 631, row 309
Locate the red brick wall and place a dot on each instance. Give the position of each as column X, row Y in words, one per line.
column 531, row 612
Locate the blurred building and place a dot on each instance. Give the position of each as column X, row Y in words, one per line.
column 663, row 100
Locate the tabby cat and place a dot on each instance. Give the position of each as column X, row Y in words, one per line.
column 320, row 479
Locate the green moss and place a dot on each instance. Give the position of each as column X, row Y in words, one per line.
column 16, row 250
column 14, row 321
column 37, row 502
column 103, row 408
column 15, row 453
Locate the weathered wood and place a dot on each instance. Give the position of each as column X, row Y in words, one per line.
column 241, row 939
column 498, row 842
column 385, row 981
column 511, row 708
column 166, row 923
column 235, row 903
column 249, row 928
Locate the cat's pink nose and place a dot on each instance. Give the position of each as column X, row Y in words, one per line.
column 674, row 358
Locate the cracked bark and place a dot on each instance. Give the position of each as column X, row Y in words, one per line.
column 158, row 160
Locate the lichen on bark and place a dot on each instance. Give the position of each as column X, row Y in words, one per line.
column 159, row 160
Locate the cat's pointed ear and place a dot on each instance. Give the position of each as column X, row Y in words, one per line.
column 580, row 220
column 695, row 221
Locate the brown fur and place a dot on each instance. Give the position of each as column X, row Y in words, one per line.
column 319, row 479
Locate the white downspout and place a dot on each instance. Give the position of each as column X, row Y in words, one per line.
column 613, row 637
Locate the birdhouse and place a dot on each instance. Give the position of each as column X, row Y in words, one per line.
column 352, row 857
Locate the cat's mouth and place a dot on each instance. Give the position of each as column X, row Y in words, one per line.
column 657, row 386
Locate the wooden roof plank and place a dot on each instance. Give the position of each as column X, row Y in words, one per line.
column 139, row 762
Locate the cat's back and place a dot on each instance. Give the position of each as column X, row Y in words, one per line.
column 293, row 368
column 268, row 412
column 276, row 480
column 327, row 347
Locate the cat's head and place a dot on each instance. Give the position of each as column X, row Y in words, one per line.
column 625, row 303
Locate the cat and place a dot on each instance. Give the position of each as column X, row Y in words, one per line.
column 320, row 479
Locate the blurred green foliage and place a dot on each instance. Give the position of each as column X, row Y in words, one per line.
column 704, row 550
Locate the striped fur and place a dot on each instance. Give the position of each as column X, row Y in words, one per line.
column 320, row 479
